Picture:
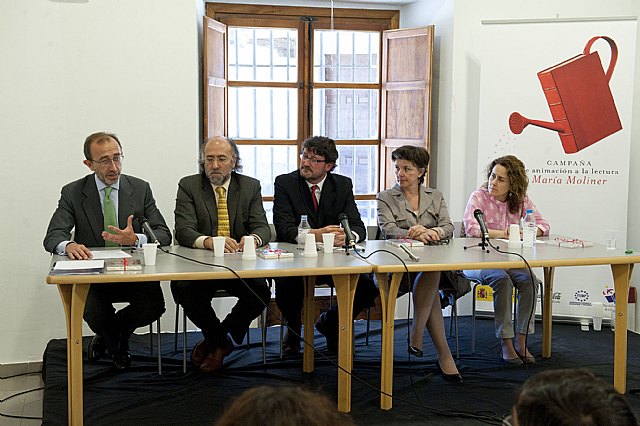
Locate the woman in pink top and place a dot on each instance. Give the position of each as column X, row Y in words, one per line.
column 503, row 200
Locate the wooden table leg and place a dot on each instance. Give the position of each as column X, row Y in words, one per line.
column 547, row 312
column 621, row 277
column 388, row 295
column 345, row 290
column 74, row 297
column 307, row 309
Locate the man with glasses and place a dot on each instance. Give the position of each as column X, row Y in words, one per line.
column 314, row 191
column 220, row 202
column 100, row 208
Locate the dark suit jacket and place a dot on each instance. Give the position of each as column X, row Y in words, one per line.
column 196, row 210
column 292, row 199
column 79, row 207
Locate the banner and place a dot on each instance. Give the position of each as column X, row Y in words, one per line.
column 578, row 167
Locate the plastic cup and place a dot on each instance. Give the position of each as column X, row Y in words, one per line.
column 514, row 236
column 150, row 251
column 598, row 311
column 218, row 246
column 310, row 246
column 249, row 251
column 327, row 242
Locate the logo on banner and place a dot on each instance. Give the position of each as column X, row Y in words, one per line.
column 580, row 298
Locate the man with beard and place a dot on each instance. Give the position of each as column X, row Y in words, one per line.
column 100, row 208
column 314, row 191
column 220, row 202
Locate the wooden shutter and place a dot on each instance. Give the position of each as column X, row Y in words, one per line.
column 215, row 76
column 407, row 57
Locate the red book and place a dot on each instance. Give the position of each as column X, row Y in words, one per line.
column 582, row 106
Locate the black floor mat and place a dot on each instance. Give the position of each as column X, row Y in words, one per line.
column 421, row 396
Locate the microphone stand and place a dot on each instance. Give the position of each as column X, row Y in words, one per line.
column 484, row 244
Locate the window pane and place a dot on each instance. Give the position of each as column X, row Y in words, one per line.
column 263, row 54
column 368, row 212
column 265, row 162
column 263, row 113
column 345, row 56
column 359, row 162
column 345, row 113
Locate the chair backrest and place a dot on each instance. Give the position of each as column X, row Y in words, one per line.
column 373, row 232
column 273, row 232
column 458, row 229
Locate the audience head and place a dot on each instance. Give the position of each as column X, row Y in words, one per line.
column 570, row 397
column 411, row 164
column 219, row 156
column 282, row 406
column 507, row 181
column 103, row 156
column 319, row 156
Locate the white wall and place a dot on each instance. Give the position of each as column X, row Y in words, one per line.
column 71, row 68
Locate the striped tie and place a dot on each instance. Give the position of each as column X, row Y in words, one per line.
column 224, row 229
column 110, row 217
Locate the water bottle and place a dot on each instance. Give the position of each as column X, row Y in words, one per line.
column 303, row 230
column 529, row 230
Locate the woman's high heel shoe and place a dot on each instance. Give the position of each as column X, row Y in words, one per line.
column 414, row 351
column 455, row 378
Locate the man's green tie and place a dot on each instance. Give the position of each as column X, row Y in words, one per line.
column 110, row 217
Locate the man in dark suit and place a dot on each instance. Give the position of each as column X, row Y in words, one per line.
column 220, row 202
column 100, row 208
column 321, row 195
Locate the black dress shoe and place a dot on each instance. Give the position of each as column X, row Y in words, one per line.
column 414, row 351
column 329, row 332
column 291, row 344
column 97, row 347
column 455, row 378
column 122, row 360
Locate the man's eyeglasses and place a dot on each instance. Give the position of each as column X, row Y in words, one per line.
column 117, row 159
column 313, row 160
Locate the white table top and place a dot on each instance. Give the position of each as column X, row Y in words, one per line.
column 454, row 256
column 169, row 267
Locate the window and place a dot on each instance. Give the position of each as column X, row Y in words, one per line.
column 292, row 72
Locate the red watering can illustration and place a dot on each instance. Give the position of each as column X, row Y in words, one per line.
column 582, row 106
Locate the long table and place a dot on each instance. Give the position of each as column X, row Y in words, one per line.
column 344, row 269
column 455, row 256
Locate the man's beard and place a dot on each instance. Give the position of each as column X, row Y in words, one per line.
column 217, row 178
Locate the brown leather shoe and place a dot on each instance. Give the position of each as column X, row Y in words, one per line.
column 199, row 353
column 214, row 361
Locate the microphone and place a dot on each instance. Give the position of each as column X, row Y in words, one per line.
column 147, row 230
column 349, row 241
column 483, row 226
column 409, row 253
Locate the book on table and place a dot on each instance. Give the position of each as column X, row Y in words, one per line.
column 124, row 265
column 271, row 253
column 407, row 242
column 569, row 242
column 78, row 267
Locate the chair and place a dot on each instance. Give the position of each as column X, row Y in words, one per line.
column 473, row 308
column 159, row 344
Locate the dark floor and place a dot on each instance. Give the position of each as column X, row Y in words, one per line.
column 421, row 396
